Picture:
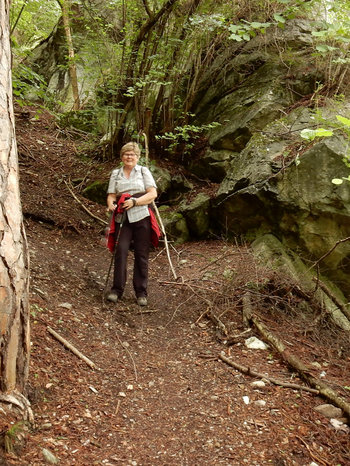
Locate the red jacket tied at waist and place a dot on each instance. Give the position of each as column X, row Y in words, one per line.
column 114, row 227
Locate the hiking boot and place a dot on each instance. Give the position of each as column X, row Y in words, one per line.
column 112, row 296
column 142, row 301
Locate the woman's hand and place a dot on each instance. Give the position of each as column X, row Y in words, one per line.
column 111, row 199
column 129, row 203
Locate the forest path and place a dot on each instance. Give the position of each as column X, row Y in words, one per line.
column 160, row 395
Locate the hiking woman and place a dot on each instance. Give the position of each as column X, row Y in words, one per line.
column 138, row 182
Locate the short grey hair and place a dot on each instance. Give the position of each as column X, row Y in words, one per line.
column 130, row 146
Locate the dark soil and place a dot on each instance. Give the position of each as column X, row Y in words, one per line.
column 160, row 394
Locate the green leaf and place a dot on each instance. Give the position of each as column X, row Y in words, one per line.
column 322, row 48
column 318, row 33
column 235, row 37
column 337, row 181
column 311, row 134
column 323, row 133
column 279, row 18
column 308, row 134
column 343, row 120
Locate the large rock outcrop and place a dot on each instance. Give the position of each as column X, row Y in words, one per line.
column 275, row 181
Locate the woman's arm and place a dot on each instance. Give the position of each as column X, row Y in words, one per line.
column 145, row 199
column 112, row 197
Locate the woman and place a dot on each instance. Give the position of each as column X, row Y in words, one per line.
column 137, row 181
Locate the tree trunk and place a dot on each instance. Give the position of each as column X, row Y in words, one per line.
column 14, row 262
column 71, row 57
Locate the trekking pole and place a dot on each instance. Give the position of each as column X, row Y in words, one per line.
column 159, row 218
column 114, row 253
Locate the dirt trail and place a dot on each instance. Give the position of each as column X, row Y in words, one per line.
column 160, row 395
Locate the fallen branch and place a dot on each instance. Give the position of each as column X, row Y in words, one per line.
column 332, row 296
column 220, row 325
column 301, row 368
column 71, row 347
column 312, row 454
column 185, row 283
column 83, row 206
column 248, row 371
column 202, row 315
column 233, row 339
column 329, row 252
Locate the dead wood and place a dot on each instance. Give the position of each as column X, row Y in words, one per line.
column 71, row 347
column 219, row 324
column 233, row 339
column 344, row 240
column 247, row 309
column 304, row 371
column 332, row 296
column 186, row 283
column 83, row 206
column 249, row 371
column 312, row 454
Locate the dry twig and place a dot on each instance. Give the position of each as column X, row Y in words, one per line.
column 84, row 207
column 249, row 371
column 71, row 347
column 332, row 296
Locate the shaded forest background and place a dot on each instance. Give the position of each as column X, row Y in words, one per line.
column 116, row 70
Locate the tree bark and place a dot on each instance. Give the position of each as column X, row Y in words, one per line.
column 14, row 262
column 65, row 5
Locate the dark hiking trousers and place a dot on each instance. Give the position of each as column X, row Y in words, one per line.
column 140, row 233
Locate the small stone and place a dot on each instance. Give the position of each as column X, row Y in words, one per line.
column 246, row 400
column 49, row 457
column 122, row 394
column 316, row 364
column 260, row 403
column 66, row 305
column 339, row 425
column 125, row 344
column 255, row 343
column 329, row 411
column 258, row 384
column 130, row 387
column 47, row 425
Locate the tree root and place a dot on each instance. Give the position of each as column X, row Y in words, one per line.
column 304, row 372
column 249, row 371
column 21, row 403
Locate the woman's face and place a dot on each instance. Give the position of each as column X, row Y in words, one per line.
column 129, row 159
